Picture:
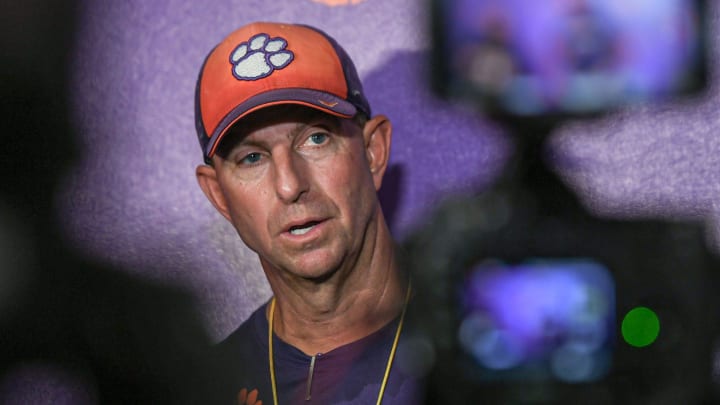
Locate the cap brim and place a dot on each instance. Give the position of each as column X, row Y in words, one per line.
column 318, row 100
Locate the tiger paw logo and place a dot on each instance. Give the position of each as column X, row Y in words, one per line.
column 248, row 398
column 259, row 57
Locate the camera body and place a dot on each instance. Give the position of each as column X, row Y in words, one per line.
column 523, row 296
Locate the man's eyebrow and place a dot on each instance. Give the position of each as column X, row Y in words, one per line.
column 235, row 141
column 243, row 138
column 317, row 121
column 246, row 141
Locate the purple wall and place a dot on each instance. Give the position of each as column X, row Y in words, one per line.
column 134, row 201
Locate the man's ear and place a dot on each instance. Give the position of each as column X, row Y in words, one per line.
column 208, row 181
column 377, row 135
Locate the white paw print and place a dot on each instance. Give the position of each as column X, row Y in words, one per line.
column 259, row 57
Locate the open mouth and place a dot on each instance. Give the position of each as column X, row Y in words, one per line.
column 303, row 229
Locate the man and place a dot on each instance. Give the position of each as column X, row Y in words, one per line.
column 294, row 160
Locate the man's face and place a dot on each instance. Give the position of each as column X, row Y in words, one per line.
column 298, row 186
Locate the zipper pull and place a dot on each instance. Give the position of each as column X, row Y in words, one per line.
column 310, row 376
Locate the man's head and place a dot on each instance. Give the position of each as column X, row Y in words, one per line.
column 265, row 64
column 293, row 163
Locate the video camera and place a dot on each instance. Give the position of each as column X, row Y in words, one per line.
column 523, row 296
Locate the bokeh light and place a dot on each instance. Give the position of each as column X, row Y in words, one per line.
column 555, row 315
column 640, row 327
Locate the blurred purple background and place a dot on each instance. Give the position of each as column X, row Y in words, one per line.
column 133, row 199
column 642, row 47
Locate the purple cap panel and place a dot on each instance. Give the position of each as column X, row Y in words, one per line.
column 311, row 98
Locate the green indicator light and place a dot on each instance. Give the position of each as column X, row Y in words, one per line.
column 640, row 327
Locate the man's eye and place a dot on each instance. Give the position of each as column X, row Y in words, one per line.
column 251, row 158
column 318, row 138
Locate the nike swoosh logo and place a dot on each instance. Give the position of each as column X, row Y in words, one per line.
column 328, row 104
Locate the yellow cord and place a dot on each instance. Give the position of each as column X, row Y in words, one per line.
column 394, row 347
column 391, row 358
column 270, row 351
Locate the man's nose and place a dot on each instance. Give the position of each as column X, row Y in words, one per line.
column 290, row 177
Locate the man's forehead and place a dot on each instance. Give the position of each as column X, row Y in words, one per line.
column 298, row 115
column 281, row 114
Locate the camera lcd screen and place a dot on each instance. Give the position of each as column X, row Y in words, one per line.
column 532, row 58
column 549, row 320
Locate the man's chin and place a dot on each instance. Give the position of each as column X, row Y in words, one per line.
column 317, row 271
column 320, row 277
column 315, row 266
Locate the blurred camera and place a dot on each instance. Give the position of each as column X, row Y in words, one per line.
column 524, row 297
column 560, row 57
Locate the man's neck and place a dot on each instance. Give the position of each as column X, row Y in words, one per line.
column 317, row 318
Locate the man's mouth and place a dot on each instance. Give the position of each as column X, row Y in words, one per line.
column 303, row 229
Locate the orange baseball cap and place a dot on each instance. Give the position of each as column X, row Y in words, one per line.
column 264, row 64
